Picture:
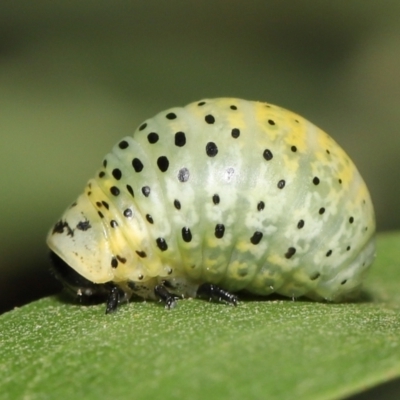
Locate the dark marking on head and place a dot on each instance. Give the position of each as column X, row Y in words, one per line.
column 128, row 213
column 216, row 199
column 161, row 244
column 219, row 231
column 152, row 137
column 171, row 116
column 143, row 126
column 141, row 254
column 163, row 163
column 180, row 139
column 60, row 226
column 137, row 165
column 268, row 154
column 177, row 204
column 121, row 259
column 183, row 175
column 209, row 119
column 256, row 238
column 235, row 133
column 114, row 190
column 123, row 144
column 146, row 191
column 186, row 234
column 290, row 252
column 260, row 206
column 130, row 190
column 83, row 225
column 114, row 262
column 211, row 149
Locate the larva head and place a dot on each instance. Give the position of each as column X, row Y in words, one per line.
column 78, row 239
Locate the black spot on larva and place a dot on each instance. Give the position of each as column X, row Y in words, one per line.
column 256, row 238
column 340, row 181
column 161, row 244
column 267, row 154
column 290, row 252
column 114, row 190
column 300, row 224
column 328, row 253
column 114, row 262
column 113, row 223
column 101, row 174
column 315, row 276
column 216, row 199
column 171, row 116
column 75, row 203
column 233, row 107
column 281, row 184
column 348, row 248
column 219, row 231
column 260, row 206
column 328, row 152
column 271, row 122
column 141, row 254
column 105, row 204
column 163, row 163
column 211, row 149
column 152, row 137
column 149, row 219
column 105, row 163
column 315, row 181
column 209, row 119
column 89, row 193
column 121, row 259
column 186, row 234
column 235, row 133
column 321, row 210
column 351, row 220
column 296, row 120
column 123, row 144
column 117, row 174
column 59, row 228
column 294, row 149
column 343, row 282
column 180, row 139
column 146, row 191
column 201, row 103
column 177, row 204
column 83, row 225
column 98, row 204
column 130, row 190
column 143, row 126
column 183, row 175
column 137, row 165
column 128, row 213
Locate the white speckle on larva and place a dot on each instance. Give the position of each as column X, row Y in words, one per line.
column 239, row 194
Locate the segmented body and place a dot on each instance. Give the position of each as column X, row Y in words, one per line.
column 245, row 195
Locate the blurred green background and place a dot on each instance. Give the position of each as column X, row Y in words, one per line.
column 77, row 75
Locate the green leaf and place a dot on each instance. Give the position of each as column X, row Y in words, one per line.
column 261, row 349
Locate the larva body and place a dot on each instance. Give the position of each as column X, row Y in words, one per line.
column 240, row 194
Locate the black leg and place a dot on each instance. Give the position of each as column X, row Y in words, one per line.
column 112, row 300
column 168, row 298
column 213, row 292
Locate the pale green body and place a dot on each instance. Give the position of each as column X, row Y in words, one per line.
column 334, row 245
